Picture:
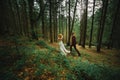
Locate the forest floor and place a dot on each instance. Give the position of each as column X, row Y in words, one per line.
column 110, row 57
column 39, row 60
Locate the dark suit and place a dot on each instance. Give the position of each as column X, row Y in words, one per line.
column 73, row 43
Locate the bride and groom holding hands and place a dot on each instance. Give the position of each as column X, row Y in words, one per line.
column 63, row 50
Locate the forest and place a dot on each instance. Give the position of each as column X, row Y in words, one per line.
column 59, row 40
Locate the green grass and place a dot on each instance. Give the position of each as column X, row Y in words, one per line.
column 37, row 64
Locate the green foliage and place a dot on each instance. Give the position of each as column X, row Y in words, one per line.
column 8, row 75
column 44, row 45
column 48, row 64
column 40, row 70
column 90, row 71
column 70, row 76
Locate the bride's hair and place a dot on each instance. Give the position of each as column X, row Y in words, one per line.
column 60, row 36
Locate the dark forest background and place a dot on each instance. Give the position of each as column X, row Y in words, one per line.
column 47, row 18
column 29, row 45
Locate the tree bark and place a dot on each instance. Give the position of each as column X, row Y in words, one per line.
column 73, row 17
column 51, row 36
column 69, row 25
column 85, row 25
column 42, row 7
column 80, row 40
column 92, row 24
column 31, row 3
column 102, row 25
column 110, row 44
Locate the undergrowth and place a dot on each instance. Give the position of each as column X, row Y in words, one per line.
column 29, row 63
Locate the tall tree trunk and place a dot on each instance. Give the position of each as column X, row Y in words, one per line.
column 62, row 25
column 66, row 30
column 55, row 21
column 66, row 22
column 26, row 19
column 62, row 21
column 42, row 6
column 31, row 4
column 14, row 15
column 92, row 24
column 51, row 36
column 43, row 26
column 99, row 26
column 110, row 44
column 102, row 25
column 56, row 27
column 85, row 27
column 73, row 17
column 80, row 40
column 69, row 25
column 59, row 19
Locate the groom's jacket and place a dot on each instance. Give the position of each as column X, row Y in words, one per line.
column 73, row 40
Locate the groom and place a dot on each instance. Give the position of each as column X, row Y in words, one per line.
column 73, row 43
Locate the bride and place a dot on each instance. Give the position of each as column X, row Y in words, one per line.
column 63, row 50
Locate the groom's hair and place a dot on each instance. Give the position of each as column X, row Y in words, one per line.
column 73, row 33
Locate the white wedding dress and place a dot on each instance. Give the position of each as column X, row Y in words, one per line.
column 63, row 50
